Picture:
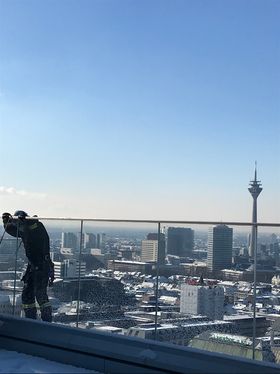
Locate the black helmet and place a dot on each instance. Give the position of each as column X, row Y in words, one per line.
column 20, row 214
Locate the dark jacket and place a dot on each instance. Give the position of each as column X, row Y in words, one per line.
column 35, row 239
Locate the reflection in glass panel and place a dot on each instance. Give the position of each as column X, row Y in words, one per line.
column 11, row 270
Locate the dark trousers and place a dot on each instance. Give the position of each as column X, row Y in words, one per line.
column 35, row 289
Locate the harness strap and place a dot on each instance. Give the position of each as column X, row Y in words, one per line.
column 45, row 305
column 29, row 306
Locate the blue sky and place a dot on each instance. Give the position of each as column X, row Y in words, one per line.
column 140, row 109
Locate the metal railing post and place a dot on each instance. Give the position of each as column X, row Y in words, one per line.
column 255, row 228
column 15, row 274
column 79, row 279
column 157, row 282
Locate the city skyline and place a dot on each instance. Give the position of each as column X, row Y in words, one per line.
column 139, row 110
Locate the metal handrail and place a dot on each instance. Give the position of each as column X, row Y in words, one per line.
column 162, row 221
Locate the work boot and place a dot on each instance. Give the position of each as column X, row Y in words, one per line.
column 31, row 313
column 46, row 313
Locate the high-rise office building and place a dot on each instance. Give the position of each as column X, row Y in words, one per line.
column 180, row 241
column 254, row 189
column 219, row 255
column 69, row 269
column 69, row 240
column 89, row 240
column 100, row 240
column 151, row 251
column 203, row 300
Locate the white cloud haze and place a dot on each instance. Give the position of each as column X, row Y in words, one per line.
column 12, row 191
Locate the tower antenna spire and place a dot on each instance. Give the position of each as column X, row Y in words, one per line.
column 255, row 170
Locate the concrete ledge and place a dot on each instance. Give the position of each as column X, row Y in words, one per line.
column 110, row 353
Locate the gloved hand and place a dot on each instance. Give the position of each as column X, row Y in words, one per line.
column 51, row 273
column 21, row 217
column 6, row 217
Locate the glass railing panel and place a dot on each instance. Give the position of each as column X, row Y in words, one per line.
column 12, row 263
column 267, row 307
column 64, row 251
column 116, row 276
column 206, row 297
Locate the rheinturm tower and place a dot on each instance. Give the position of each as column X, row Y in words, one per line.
column 255, row 189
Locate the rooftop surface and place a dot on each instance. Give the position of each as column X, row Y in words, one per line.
column 14, row 362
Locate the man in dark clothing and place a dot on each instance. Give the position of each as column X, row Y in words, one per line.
column 40, row 270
